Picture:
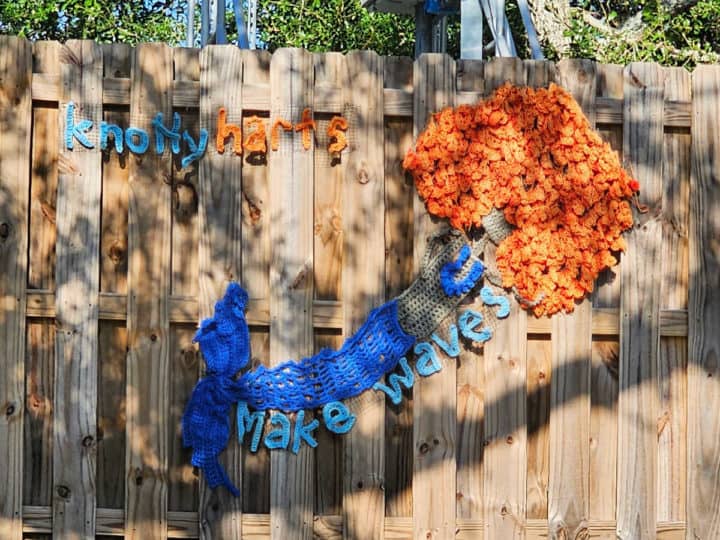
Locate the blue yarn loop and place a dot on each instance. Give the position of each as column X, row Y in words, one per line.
column 448, row 274
column 375, row 349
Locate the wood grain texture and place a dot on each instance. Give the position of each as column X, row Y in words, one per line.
column 291, row 283
column 672, row 367
column 568, row 497
column 256, row 254
column 363, row 279
column 703, row 503
column 640, row 308
column 399, row 196
column 220, row 258
column 470, row 375
column 76, row 305
column 148, row 327
column 15, row 127
column 505, row 461
column 435, row 397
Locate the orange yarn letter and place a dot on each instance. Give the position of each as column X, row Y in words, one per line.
column 335, row 130
column 255, row 142
column 275, row 132
column 306, row 126
column 225, row 131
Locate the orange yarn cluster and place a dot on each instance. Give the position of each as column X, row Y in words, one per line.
column 533, row 154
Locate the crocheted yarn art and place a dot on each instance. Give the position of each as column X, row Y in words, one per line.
column 530, row 153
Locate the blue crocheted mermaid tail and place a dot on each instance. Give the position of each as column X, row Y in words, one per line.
column 364, row 358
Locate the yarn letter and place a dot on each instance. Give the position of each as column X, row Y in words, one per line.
column 196, row 150
column 427, row 363
column 338, row 140
column 491, row 300
column 161, row 132
column 117, row 134
column 303, row 432
column 307, row 126
column 255, row 142
column 468, row 322
column 394, row 392
column 139, row 147
column 278, row 438
column 450, row 271
column 225, row 131
column 77, row 131
column 452, row 349
column 247, row 422
column 275, row 132
column 338, row 418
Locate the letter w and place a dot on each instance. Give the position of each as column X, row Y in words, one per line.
column 394, row 392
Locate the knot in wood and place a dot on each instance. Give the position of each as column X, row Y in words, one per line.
column 424, row 448
column 117, row 252
column 88, row 441
column 4, row 230
column 509, row 439
column 10, row 409
column 63, row 492
column 363, row 176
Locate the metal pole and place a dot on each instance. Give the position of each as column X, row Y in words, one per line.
column 471, row 30
column 190, row 35
column 252, row 24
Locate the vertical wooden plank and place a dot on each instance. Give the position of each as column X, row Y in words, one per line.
column 76, row 306
column 640, row 306
column 148, row 290
column 672, row 372
column 220, row 206
column 184, row 358
column 40, row 357
column 505, row 462
column 112, row 335
column 538, row 74
column 363, row 279
column 291, row 284
column 703, row 510
column 15, row 118
column 470, row 377
column 256, row 274
column 435, row 398
column 399, row 196
column 328, row 267
column 571, row 364
column 604, row 389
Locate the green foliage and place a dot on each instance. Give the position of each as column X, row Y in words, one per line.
column 101, row 20
column 333, row 25
column 683, row 38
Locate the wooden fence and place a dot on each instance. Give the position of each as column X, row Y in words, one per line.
column 601, row 424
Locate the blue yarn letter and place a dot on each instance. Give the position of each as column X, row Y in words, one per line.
column 247, row 422
column 117, row 134
column 427, row 363
column 491, row 300
column 449, row 272
column 161, row 132
column 196, row 150
column 303, row 432
column 452, row 349
column 77, row 131
column 469, row 321
column 139, row 147
column 338, row 418
column 407, row 379
column 278, row 438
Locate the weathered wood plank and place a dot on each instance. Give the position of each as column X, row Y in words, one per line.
column 399, row 195
column 148, row 291
column 220, row 203
column 256, row 253
column 470, row 376
column 672, row 370
column 703, row 510
column 363, row 280
column 76, row 307
column 435, row 398
column 505, row 461
column 291, row 284
column 15, row 127
column 568, row 496
column 640, row 308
